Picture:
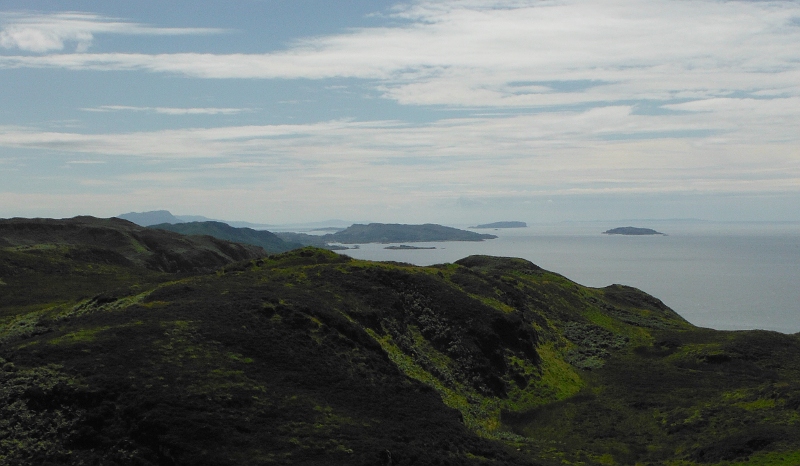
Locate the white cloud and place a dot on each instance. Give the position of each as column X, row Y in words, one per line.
column 467, row 53
column 563, row 153
column 86, row 162
column 170, row 110
column 533, row 54
column 50, row 32
column 721, row 79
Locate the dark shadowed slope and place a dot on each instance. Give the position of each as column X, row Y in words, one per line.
column 309, row 357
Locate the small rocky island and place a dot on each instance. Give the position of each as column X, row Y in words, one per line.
column 502, row 225
column 632, row 231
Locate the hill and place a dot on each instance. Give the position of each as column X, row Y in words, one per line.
column 308, row 357
column 157, row 217
column 632, row 231
column 400, row 233
column 266, row 240
column 153, row 217
column 387, row 233
column 122, row 242
column 502, row 225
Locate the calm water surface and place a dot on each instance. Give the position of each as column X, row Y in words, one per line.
column 723, row 276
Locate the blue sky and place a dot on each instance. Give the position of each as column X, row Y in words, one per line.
column 420, row 111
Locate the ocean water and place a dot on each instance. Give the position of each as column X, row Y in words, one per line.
column 722, row 276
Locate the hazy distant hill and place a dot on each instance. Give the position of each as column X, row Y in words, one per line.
column 233, row 223
column 632, row 231
column 311, row 358
column 157, row 217
column 502, row 225
column 153, row 217
column 388, row 233
column 265, row 239
column 397, row 233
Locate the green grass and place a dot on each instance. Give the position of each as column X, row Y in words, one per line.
column 310, row 358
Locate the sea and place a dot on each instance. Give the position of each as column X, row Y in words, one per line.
column 726, row 276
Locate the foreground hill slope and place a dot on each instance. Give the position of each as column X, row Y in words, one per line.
column 43, row 261
column 310, row 357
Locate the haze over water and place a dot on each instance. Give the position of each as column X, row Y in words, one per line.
column 722, row 276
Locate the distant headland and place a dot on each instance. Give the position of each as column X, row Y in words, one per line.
column 386, row 233
column 632, row 231
column 502, row 225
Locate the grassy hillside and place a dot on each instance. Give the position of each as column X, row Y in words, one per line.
column 309, row 357
column 121, row 242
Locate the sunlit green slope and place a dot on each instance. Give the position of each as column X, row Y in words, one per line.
column 309, row 357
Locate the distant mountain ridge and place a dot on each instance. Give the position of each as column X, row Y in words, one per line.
column 157, row 217
column 513, row 224
column 153, row 217
column 265, row 239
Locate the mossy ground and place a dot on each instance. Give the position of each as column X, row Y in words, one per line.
column 309, row 357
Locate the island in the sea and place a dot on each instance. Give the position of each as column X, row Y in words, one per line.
column 502, row 225
column 405, row 247
column 386, row 233
column 632, row 231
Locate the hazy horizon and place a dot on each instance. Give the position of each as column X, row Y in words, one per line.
column 417, row 111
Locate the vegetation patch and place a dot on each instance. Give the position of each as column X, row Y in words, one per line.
column 308, row 357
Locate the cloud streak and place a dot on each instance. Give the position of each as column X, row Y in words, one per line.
column 469, row 53
column 169, row 110
column 42, row 33
column 567, row 153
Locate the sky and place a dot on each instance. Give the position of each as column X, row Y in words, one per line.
column 443, row 111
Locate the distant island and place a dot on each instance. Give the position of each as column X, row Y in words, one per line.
column 407, row 247
column 386, row 233
column 502, row 225
column 632, row 231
